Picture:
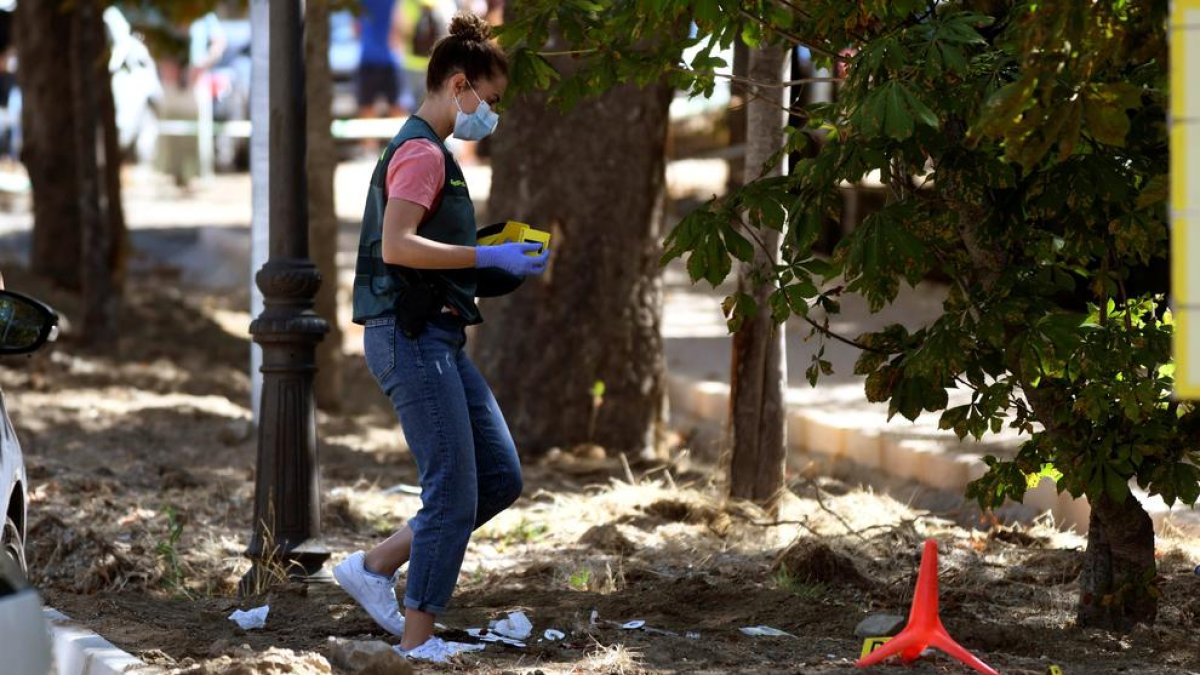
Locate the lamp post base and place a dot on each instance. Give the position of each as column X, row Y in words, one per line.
column 306, row 567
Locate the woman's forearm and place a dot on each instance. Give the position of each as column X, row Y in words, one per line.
column 417, row 252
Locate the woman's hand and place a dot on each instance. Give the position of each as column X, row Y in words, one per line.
column 512, row 258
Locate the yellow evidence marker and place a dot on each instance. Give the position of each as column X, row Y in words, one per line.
column 519, row 232
column 871, row 644
column 1054, row 670
column 1184, row 39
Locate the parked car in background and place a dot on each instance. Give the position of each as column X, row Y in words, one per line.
column 25, row 325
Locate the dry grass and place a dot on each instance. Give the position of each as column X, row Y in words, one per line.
column 611, row 660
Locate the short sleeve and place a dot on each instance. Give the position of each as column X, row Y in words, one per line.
column 417, row 173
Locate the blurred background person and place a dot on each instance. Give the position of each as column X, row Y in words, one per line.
column 10, row 96
column 207, row 44
column 381, row 76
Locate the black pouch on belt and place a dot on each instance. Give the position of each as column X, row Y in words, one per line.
column 418, row 301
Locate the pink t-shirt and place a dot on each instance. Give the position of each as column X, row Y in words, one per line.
column 417, row 173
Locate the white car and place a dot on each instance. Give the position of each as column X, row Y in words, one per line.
column 24, row 640
column 25, row 325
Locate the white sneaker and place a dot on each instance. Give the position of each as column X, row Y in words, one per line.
column 375, row 593
column 437, row 650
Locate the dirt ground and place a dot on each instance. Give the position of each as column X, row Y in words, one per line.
column 141, row 465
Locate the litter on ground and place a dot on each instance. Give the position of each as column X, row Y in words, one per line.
column 516, row 626
column 250, row 619
column 765, row 631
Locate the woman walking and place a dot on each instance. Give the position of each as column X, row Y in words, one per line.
column 414, row 291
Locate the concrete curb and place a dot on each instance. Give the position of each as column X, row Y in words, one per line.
column 940, row 461
column 79, row 651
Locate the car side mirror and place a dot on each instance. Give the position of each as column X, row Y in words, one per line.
column 25, row 324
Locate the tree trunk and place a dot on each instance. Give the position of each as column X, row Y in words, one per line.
column 1117, row 583
column 322, row 218
column 41, row 29
column 594, row 177
column 736, row 117
column 98, row 165
column 758, row 412
column 117, row 255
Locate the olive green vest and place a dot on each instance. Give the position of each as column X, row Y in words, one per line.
column 376, row 282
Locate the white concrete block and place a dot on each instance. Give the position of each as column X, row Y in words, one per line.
column 712, row 401
column 943, row 470
column 908, row 458
column 973, row 465
column 796, row 431
column 678, row 390
column 825, row 433
column 865, row 448
column 79, row 651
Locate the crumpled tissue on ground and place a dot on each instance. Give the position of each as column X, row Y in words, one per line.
column 250, row 619
column 517, row 626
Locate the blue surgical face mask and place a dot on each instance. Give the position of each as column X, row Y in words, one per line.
column 478, row 124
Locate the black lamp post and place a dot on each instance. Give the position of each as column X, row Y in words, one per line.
column 287, row 523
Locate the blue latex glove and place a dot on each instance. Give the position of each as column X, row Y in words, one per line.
column 512, row 258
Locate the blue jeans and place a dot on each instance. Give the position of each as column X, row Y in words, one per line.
column 457, row 435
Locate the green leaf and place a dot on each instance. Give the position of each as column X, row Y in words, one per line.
column 697, row 266
column 1107, row 122
column 1068, row 136
column 813, row 372
column 881, row 250
column 913, row 394
column 738, row 245
column 531, row 69
column 822, row 269
column 953, row 58
column 897, row 121
column 1187, row 483
column 954, row 419
column 1003, row 108
column 779, row 306
column 1155, row 191
column 718, row 263
column 737, row 309
column 918, row 108
column 1123, row 95
column 881, row 383
column 799, row 293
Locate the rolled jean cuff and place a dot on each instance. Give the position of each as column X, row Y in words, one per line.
column 409, row 603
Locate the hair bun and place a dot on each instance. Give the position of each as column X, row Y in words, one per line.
column 470, row 27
